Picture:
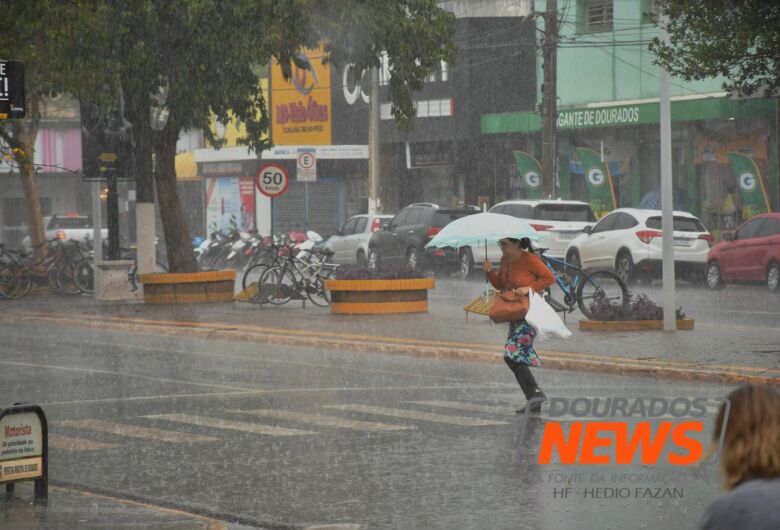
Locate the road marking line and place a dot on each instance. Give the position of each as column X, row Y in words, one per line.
column 414, row 415
column 470, row 407
column 134, row 431
column 325, row 421
column 218, row 423
column 70, row 443
column 80, row 369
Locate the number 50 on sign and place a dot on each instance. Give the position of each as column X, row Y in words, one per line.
column 272, row 180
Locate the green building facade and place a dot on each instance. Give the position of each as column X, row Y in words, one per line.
column 608, row 90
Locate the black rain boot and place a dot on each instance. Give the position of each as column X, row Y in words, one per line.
column 536, row 407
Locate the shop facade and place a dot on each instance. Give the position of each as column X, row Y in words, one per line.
column 724, row 150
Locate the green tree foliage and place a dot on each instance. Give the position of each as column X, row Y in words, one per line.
column 739, row 41
column 196, row 58
column 57, row 42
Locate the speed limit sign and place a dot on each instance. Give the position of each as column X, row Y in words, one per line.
column 272, row 180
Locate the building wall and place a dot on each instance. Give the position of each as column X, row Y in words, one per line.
column 593, row 69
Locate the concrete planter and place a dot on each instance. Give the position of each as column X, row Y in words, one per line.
column 188, row 288
column 366, row 297
column 632, row 325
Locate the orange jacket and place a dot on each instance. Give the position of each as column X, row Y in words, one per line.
column 527, row 270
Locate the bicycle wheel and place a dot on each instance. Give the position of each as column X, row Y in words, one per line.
column 316, row 292
column 15, row 283
column 84, row 276
column 66, row 279
column 277, row 285
column 253, row 274
column 7, row 281
column 601, row 286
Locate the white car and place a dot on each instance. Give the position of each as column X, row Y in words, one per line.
column 628, row 240
column 557, row 223
column 64, row 227
column 350, row 244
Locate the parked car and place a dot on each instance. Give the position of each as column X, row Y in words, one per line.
column 65, row 227
column 750, row 253
column 403, row 239
column 350, row 244
column 628, row 240
column 557, row 222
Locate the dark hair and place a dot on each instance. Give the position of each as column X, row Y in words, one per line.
column 523, row 243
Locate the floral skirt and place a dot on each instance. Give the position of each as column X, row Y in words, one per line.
column 520, row 344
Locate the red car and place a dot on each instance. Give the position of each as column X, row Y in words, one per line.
column 750, row 253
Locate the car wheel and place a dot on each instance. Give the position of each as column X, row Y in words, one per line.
column 624, row 267
column 573, row 259
column 413, row 258
column 714, row 279
column 361, row 259
column 466, row 263
column 773, row 277
column 373, row 258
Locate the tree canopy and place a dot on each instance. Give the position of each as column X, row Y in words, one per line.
column 739, row 41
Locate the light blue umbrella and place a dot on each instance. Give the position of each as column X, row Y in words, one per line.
column 482, row 228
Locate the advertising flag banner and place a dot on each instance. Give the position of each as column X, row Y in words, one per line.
column 598, row 179
column 530, row 172
column 751, row 185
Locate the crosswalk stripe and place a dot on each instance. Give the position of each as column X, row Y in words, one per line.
column 415, row 415
column 135, row 431
column 218, row 423
column 70, row 443
column 325, row 421
column 469, row 407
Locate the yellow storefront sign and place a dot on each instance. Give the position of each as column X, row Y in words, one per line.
column 300, row 107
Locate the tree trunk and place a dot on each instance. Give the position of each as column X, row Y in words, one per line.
column 25, row 132
column 137, row 109
column 178, row 239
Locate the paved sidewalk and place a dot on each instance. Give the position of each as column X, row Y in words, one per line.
column 69, row 509
column 713, row 351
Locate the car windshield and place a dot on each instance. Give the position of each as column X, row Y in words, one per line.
column 66, row 223
column 444, row 217
column 564, row 212
column 681, row 224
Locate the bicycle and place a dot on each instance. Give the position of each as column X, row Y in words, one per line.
column 56, row 271
column 582, row 289
column 294, row 278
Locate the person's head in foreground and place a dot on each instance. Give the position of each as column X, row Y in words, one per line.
column 750, row 461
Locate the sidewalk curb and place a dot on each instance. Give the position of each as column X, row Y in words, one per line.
column 674, row 370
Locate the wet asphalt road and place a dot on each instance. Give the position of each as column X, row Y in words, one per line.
column 278, row 435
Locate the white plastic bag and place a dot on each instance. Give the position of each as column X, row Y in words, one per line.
column 544, row 319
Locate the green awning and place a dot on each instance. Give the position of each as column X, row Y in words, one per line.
column 627, row 115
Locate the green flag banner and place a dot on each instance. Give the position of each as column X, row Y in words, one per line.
column 601, row 192
column 530, row 172
column 751, row 185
